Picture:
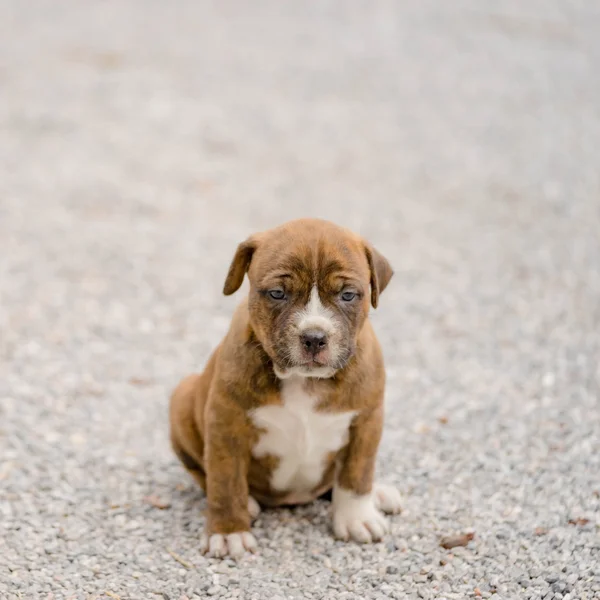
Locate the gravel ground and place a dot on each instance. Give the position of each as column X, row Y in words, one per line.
column 140, row 141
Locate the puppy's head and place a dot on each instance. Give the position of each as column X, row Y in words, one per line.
column 311, row 284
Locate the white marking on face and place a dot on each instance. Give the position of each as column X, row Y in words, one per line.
column 316, row 316
column 356, row 516
column 300, row 436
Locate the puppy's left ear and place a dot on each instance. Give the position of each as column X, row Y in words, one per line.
column 239, row 265
column 381, row 272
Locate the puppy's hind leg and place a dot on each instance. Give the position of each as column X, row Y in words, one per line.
column 186, row 439
column 189, row 462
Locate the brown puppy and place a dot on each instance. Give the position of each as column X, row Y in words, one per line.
column 290, row 404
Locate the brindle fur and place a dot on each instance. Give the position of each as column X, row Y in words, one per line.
column 211, row 429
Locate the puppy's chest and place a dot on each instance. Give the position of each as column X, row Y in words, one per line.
column 300, row 436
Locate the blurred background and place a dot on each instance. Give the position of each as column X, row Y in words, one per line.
column 141, row 141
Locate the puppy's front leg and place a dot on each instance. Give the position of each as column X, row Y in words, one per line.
column 227, row 454
column 357, row 501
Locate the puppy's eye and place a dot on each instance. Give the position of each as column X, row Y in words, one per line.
column 348, row 296
column 276, row 294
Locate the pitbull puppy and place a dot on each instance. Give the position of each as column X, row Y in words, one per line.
column 290, row 404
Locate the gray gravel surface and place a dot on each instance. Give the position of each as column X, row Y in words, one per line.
column 141, row 141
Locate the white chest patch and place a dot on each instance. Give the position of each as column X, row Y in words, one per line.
column 299, row 436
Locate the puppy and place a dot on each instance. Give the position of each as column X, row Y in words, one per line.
column 290, row 404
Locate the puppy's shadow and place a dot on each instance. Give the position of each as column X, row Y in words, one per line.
column 327, row 496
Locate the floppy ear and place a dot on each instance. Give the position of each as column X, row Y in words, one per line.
column 239, row 266
column 381, row 273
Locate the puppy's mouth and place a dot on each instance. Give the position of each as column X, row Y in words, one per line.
column 313, row 367
column 285, row 361
column 314, row 370
column 314, row 364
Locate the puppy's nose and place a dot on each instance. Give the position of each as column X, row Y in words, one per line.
column 314, row 340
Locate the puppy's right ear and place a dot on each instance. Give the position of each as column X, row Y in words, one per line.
column 239, row 265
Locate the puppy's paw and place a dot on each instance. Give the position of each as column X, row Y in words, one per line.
column 357, row 517
column 233, row 544
column 387, row 498
column 253, row 508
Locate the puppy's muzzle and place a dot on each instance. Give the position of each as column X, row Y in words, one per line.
column 313, row 342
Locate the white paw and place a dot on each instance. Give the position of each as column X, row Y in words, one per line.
column 387, row 498
column 356, row 517
column 234, row 544
column 253, row 507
